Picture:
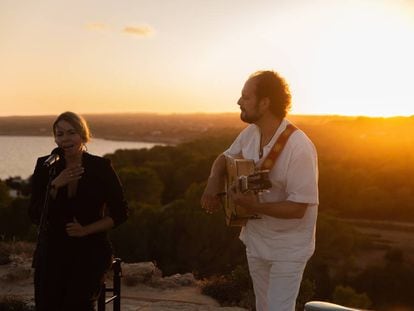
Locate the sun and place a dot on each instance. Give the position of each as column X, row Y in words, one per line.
column 364, row 63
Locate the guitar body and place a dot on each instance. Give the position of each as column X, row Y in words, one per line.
column 241, row 173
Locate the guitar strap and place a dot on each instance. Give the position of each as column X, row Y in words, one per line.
column 277, row 148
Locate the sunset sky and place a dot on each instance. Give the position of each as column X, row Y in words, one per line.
column 344, row 57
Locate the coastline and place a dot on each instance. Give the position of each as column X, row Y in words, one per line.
column 19, row 153
column 135, row 139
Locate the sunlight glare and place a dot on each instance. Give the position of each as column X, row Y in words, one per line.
column 365, row 64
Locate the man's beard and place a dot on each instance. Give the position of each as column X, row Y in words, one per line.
column 252, row 117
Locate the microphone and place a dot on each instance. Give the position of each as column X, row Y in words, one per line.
column 55, row 155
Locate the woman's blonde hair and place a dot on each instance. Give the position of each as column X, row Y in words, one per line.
column 79, row 124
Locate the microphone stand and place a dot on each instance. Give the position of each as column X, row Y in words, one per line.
column 39, row 262
column 42, row 230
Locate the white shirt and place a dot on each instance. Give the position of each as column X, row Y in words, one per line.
column 294, row 178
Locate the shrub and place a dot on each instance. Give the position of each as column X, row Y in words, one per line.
column 345, row 295
column 223, row 289
column 4, row 254
column 14, row 303
column 234, row 289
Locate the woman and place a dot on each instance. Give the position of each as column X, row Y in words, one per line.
column 85, row 200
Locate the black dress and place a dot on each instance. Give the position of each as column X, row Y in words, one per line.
column 70, row 274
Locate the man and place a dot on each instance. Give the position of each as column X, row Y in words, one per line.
column 281, row 241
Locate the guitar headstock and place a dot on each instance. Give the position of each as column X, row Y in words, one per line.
column 258, row 181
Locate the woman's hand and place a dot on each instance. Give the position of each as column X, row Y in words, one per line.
column 67, row 175
column 75, row 229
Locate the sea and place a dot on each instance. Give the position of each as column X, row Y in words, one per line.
column 18, row 154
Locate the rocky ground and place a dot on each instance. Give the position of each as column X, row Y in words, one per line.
column 143, row 288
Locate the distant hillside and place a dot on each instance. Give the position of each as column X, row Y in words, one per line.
column 176, row 128
column 132, row 127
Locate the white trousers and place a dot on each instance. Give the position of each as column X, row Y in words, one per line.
column 276, row 284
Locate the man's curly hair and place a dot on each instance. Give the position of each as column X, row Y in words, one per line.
column 271, row 85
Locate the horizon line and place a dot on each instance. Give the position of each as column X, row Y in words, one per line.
column 207, row 113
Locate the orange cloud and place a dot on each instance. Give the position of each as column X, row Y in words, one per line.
column 141, row 31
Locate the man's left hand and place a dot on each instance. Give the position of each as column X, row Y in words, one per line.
column 246, row 202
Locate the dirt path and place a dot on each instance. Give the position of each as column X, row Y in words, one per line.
column 17, row 280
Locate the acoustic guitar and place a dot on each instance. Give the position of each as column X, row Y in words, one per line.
column 242, row 176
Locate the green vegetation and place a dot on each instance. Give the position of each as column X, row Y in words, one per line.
column 365, row 173
column 5, row 198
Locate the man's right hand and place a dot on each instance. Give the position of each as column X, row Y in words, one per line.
column 210, row 200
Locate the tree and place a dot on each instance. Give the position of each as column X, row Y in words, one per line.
column 141, row 184
column 5, row 198
column 14, row 220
